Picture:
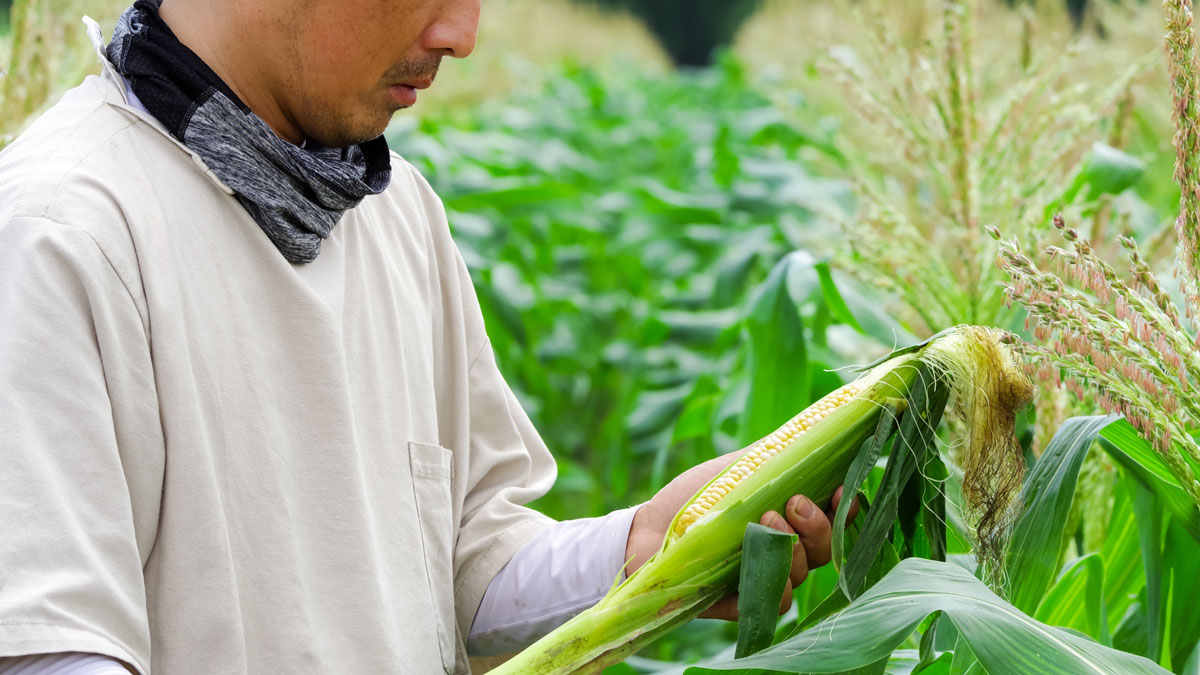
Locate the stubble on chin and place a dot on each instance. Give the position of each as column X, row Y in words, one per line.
column 345, row 126
column 340, row 129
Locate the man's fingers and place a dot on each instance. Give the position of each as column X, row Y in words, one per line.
column 813, row 527
column 837, row 500
column 799, row 571
column 773, row 520
column 724, row 609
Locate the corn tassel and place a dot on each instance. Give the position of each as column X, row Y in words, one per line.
column 810, row 454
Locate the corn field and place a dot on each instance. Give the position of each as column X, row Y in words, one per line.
column 941, row 252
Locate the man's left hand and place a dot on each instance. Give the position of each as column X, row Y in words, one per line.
column 801, row 517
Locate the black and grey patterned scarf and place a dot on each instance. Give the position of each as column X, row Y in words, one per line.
column 295, row 194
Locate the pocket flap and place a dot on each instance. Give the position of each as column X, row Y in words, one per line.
column 430, row 460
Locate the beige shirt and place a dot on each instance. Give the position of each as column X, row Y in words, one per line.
column 215, row 461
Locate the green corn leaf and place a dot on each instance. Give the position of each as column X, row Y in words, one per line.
column 869, row 312
column 1076, row 600
column 696, row 420
column 908, row 662
column 1140, row 460
column 1106, row 171
column 1171, row 558
column 1146, row 507
column 833, row 298
column 837, row 599
column 499, row 310
column 964, row 661
column 855, row 478
column 818, row 586
column 1005, row 641
column 1192, row 666
column 877, row 668
column 1123, row 575
column 1131, row 632
column 928, row 642
column 933, row 505
column 731, row 272
column 922, row 510
column 725, row 158
column 1181, row 569
column 939, row 666
column 508, row 194
column 914, row 439
column 1037, row 543
column 682, row 207
column 778, row 357
column 909, row 507
column 766, row 562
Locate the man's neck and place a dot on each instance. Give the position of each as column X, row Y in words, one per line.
column 211, row 32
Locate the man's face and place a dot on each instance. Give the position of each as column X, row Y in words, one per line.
column 345, row 66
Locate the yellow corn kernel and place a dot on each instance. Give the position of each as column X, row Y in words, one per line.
column 761, row 451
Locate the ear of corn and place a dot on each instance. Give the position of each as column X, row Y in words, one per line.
column 759, row 453
column 809, row 454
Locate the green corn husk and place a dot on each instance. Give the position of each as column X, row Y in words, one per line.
column 699, row 566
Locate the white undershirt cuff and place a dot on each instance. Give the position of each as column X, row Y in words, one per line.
column 559, row 573
column 61, row 663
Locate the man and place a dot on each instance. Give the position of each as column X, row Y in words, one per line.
column 250, row 420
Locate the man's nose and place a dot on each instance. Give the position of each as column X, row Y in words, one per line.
column 454, row 30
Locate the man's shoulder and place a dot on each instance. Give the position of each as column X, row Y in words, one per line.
column 409, row 199
column 91, row 172
column 408, row 183
column 82, row 158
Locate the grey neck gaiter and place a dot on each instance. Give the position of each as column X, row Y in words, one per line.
column 296, row 195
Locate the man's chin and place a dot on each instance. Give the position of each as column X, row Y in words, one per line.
column 345, row 137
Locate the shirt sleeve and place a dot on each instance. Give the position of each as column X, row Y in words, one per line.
column 62, row 663
column 562, row 571
column 509, row 466
column 70, row 338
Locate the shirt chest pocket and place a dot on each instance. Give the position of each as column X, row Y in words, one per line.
column 431, row 471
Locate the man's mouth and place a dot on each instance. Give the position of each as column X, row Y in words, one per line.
column 419, row 83
column 405, row 93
